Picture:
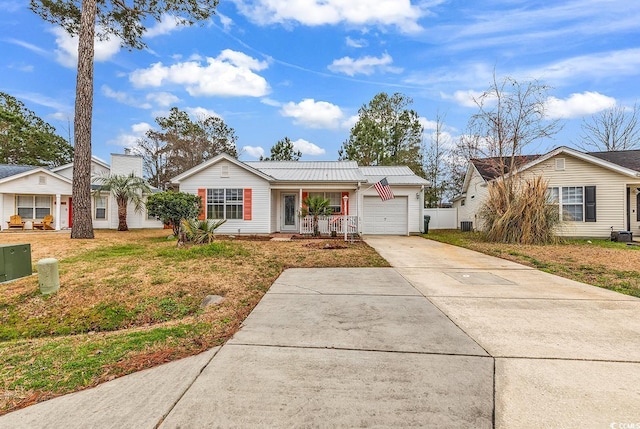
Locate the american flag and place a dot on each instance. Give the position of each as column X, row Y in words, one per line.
column 384, row 190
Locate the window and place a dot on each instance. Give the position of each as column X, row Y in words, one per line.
column 335, row 199
column 572, row 203
column 224, row 203
column 575, row 203
column 33, row 206
column 101, row 207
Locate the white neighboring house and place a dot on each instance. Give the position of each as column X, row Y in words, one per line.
column 596, row 192
column 266, row 197
column 34, row 192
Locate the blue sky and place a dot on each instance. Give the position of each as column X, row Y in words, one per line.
column 303, row 68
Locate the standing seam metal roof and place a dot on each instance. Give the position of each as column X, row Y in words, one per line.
column 311, row 171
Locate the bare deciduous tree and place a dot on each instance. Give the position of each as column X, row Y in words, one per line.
column 612, row 129
column 434, row 158
column 511, row 116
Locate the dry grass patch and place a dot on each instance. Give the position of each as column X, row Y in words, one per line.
column 131, row 300
column 610, row 265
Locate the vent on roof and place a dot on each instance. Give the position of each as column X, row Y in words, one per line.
column 224, row 171
column 559, row 164
column 42, row 180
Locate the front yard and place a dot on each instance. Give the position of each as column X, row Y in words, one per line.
column 610, row 265
column 131, row 300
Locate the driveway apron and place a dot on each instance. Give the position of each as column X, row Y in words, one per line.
column 566, row 354
column 343, row 348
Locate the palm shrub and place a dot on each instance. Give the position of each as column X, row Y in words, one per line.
column 199, row 231
column 125, row 189
column 519, row 211
column 316, row 206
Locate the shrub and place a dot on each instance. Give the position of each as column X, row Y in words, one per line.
column 518, row 211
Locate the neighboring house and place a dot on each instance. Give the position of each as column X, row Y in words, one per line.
column 34, row 192
column 265, row 197
column 596, row 192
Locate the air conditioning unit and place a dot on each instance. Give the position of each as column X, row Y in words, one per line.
column 622, row 236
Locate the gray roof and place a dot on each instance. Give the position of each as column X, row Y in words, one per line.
column 396, row 175
column 625, row 158
column 310, row 171
column 7, row 170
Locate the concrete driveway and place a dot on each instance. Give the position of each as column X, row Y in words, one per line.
column 566, row 354
column 447, row 338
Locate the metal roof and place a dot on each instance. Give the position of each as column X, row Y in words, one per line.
column 310, row 171
column 7, row 170
column 396, row 175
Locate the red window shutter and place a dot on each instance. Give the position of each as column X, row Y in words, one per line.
column 342, row 204
column 247, row 204
column 202, row 193
column 304, row 197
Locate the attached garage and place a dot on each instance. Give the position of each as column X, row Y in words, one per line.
column 385, row 217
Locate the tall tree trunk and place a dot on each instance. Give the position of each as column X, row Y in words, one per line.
column 122, row 216
column 82, row 220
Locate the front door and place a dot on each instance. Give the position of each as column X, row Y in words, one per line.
column 289, row 215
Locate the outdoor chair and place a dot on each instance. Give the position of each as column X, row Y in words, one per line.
column 16, row 221
column 45, row 225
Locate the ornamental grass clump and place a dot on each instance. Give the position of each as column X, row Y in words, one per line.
column 519, row 211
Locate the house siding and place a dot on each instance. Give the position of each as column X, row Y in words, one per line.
column 476, row 194
column 237, row 178
column 610, row 193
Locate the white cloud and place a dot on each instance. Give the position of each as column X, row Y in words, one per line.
column 313, row 114
column 350, row 121
column 364, row 65
column 356, row 43
column 596, row 66
column 67, row 51
column 226, row 22
column 577, row 105
column 167, row 24
column 231, row 74
column 399, row 13
column 163, row 99
column 463, row 98
column 123, row 97
column 270, row 102
column 254, row 151
column 201, row 112
column 308, row 148
column 130, row 139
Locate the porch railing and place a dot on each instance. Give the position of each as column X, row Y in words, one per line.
column 330, row 224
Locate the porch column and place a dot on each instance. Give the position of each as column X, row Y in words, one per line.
column 300, row 219
column 58, row 212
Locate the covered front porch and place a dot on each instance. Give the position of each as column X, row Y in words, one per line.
column 33, row 209
column 288, row 212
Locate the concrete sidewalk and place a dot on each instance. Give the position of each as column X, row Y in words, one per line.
column 446, row 338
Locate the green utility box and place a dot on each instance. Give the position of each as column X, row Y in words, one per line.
column 15, row 261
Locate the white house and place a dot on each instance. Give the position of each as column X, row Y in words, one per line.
column 266, row 197
column 596, row 192
column 35, row 192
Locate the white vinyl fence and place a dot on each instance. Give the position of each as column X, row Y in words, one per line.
column 442, row 218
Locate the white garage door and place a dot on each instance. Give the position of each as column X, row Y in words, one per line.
column 385, row 217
